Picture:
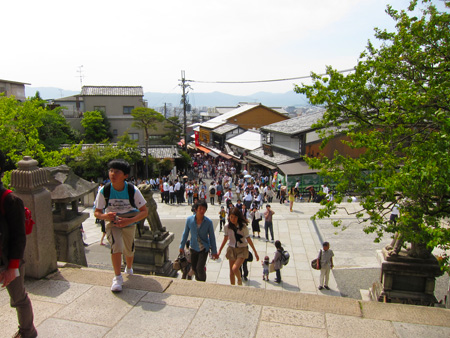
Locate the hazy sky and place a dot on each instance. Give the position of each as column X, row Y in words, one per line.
column 147, row 43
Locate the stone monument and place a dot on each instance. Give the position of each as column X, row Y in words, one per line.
column 28, row 182
column 67, row 189
column 406, row 279
column 152, row 242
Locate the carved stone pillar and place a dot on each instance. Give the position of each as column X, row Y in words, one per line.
column 40, row 253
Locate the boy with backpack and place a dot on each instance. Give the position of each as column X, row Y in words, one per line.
column 122, row 205
column 12, row 248
column 326, row 264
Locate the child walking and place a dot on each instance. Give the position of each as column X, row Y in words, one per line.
column 265, row 265
column 277, row 261
column 326, row 264
column 222, row 215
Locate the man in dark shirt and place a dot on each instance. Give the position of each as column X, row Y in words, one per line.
column 12, row 246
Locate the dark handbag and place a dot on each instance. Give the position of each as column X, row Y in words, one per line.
column 250, row 257
column 314, row 262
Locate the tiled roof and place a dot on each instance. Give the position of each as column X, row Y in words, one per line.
column 225, row 128
column 162, row 151
column 112, row 91
column 69, row 98
column 277, row 158
column 294, row 125
column 280, row 110
column 221, row 119
column 14, row 82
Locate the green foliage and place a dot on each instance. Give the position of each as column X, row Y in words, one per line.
column 55, row 130
column 146, row 119
column 395, row 106
column 184, row 161
column 20, row 123
column 96, row 127
column 165, row 166
column 174, row 130
column 92, row 161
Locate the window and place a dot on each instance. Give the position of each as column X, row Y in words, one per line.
column 100, row 108
column 115, row 133
column 301, row 144
column 127, row 109
column 134, row 136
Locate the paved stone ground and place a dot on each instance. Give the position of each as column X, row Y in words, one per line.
column 77, row 302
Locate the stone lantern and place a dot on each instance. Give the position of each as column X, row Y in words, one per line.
column 66, row 190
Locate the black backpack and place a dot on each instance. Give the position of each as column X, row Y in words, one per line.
column 107, row 193
column 285, row 257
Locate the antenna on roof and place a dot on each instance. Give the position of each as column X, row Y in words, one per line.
column 81, row 75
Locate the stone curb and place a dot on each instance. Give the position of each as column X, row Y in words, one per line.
column 282, row 299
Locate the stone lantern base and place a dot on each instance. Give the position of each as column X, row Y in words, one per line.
column 152, row 255
column 406, row 280
column 69, row 241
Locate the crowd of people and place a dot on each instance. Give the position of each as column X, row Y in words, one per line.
column 244, row 199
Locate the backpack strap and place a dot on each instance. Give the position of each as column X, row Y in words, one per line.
column 131, row 192
column 107, row 193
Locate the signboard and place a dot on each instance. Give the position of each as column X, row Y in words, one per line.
column 267, row 150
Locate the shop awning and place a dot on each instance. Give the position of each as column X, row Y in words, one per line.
column 205, row 150
column 296, row 168
column 228, row 157
column 265, row 164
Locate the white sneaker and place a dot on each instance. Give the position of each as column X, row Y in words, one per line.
column 117, row 284
column 129, row 271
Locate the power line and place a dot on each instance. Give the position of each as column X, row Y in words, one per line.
column 274, row 80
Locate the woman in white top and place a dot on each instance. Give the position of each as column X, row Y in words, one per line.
column 237, row 235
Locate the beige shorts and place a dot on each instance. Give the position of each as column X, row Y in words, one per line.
column 121, row 239
column 235, row 253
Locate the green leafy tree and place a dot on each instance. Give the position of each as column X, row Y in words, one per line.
column 146, row 119
column 96, row 127
column 174, row 131
column 55, row 130
column 184, row 161
column 394, row 106
column 165, row 166
column 93, row 160
column 20, row 123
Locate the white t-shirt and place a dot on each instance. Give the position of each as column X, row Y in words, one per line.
column 119, row 201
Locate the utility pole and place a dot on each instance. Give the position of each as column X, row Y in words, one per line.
column 165, row 110
column 184, row 86
column 80, row 70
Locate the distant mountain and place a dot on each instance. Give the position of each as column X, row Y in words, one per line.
column 216, row 99
column 213, row 99
column 48, row 93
